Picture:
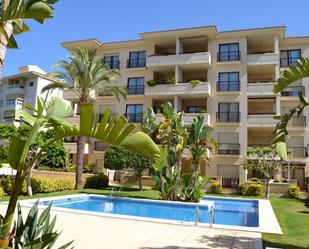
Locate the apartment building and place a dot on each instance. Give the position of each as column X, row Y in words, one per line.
column 21, row 88
column 237, row 70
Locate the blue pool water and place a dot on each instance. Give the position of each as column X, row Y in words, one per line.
column 226, row 211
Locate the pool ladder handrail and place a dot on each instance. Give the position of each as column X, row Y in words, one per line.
column 210, row 210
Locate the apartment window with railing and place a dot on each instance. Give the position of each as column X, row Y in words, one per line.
column 228, row 113
column 293, row 91
column 112, row 61
column 228, row 143
column 134, row 113
column 228, row 82
column 15, row 84
column 137, row 59
column 228, row 52
column 289, row 57
column 10, row 102
column 195, row 109
column 136, row 86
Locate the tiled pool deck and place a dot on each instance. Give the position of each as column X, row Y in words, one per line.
column 90, row 231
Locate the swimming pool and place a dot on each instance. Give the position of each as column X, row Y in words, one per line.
column 226, row 211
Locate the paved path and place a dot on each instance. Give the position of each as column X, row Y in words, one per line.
column 112, row 233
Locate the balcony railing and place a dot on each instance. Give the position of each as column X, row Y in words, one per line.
column 286, row 62
column 113, row 64
column 256, row 112
column 297, row 151
column 136, row 63
column 228, row 149
column 230, row 182
column 258, row 145
column 228, row 56
column 228, row 117
column 136, row 90
column 298, row 121
column 228, row 86
column 134, row 117
column 293, row 91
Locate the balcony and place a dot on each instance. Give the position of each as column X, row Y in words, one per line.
column 134, row 117
column 228, row 117
column 178, row 89
column 228, row 149
column 16, row 89
column 293, row 91
column 72, row 147
column 299, row 152
column 297, row 121
column 188, row 118
column 262, row 59
column 136, row 63
column 261, row 120
column 229, row 56
column 228, row 86
column 13, row 104
column 203, row 58
column 255, row 88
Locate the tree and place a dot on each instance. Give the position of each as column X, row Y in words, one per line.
column 85, row 74
column 13, row 14
column 117, row 158
column 295, row 72
column 53, row 115
column 267, row 161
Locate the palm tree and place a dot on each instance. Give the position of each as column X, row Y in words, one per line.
column 13, row 14
column 296, row 72
column 84, row 74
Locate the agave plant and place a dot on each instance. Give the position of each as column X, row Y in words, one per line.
column 52, row 115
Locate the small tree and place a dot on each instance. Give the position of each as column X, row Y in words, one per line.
column 267, row 161
column 117, row 158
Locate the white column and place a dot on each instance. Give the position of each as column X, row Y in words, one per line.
column 179, row 48
column 178, row 74
column 177, row 103
column 278, row 105
column 75, row 108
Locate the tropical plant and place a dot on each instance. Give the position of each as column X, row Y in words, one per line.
column 267, row 161
column 117, row 158
column 296, row 72
column 150, row 125
column 151, row 82
column 194, row 83
column 85, row 74
column 171, row 80
column 52, row 115
column 13, row 14
column 192, row 187
column 37, row 231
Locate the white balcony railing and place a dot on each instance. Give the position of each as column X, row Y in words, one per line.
column 263, row 59
column 261, row 121
column 179, row 59
column 257, row 89
column 180, row 88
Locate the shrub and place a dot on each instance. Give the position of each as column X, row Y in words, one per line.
column 90, row 168
column 242, row 189
column 97, row 181
column 255, row 179
column 254, row 190
column 7, row 184
column 1, row 192
column 151, row 82
column 293, row 192
column 194, row 83
column 171, row 80
column 215, row 188
column 47, row 185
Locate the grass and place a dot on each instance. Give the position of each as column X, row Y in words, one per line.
column 292, row 214
column 293, row 217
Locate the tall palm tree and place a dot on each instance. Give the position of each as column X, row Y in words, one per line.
column 84, row 74
column 12, row 16
column 296, row 72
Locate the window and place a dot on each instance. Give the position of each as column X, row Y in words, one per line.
column 134, row 113
column 228, row 143
column 1, row 103
column 195, row 109
column 228, row 112
column 229, row 52
column 136, row 86
column 112, row 61
column 289, row 57
column 31, row 83
column 228, row 82
column 137, row 59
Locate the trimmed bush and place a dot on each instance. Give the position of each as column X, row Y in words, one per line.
column 294, row 192
column 215, row 188
column 7, row 184
column 306, row 201
column 47, row 185
column 242, row 189
column 254, row 190
column 254, row 179
column 97, row 181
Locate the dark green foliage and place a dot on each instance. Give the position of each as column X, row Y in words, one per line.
column 242, row 189
column 4, row 153
column 37, row 231
column 192, row 187
column 47, row 185
column 254, row 190
column 215, row 188
column 97, row 181
column 293, row 192
column 7, row 185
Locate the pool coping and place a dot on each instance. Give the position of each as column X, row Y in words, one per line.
column 268, row 222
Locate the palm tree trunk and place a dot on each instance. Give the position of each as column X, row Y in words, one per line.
column 267, row 188
column 3, row 41
column 80, row 162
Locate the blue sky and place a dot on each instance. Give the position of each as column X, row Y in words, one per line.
column 124, row 19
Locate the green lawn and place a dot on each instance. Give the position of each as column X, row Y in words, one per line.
column 292, row 215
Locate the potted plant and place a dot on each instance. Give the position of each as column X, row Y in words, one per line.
column 151, row 82
column 194, row 83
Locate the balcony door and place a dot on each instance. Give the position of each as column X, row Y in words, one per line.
column 134, row 113
column 137, row 59
column 228, row 82
column 228, row 112
column 229, row 52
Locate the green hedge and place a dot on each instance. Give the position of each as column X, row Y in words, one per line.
column 7, row 184
column 47, row 185
column 215, row 188
column 293, row 192
column 254, row 189
column 97, row 181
